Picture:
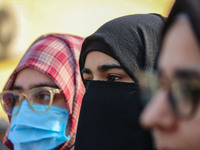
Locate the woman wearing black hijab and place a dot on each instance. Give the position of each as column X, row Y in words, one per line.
column 111, row 105
column 173, row 114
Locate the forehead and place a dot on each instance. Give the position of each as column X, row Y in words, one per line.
column 180, row 50
column 29, row 77
column 96, row 58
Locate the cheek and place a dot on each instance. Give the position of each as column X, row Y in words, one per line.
column 190, row 130
column 59, row 100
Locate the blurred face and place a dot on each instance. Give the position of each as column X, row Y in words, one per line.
column 99, row 66
column 29, row 78
column 180, row 52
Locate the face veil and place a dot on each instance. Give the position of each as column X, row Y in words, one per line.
column 109, row 118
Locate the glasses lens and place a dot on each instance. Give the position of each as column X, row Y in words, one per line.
column 184, row 97
column 148, row 84
column 9, row 100
column 40, row 99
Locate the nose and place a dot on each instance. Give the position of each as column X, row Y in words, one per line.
column 23, row 98
column 158, row 113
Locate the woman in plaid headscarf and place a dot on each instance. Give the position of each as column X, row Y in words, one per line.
column 45, row 115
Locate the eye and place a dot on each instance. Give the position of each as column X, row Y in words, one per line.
column 86, row 81
column 44, row 96
column 87, row 78
column 40, row 97
column 113, row 78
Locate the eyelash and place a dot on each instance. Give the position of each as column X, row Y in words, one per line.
column 112, row 77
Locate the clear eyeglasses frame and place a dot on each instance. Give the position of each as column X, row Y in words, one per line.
column 183, row 90
column 41, row 95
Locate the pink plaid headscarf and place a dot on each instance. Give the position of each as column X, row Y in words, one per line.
column 56, row 55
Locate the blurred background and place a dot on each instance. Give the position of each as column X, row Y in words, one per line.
column 22, row 21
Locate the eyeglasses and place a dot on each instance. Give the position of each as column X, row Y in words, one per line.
column 183, row 90
column 43, row 96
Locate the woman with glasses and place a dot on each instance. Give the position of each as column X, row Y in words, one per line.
column 43, row 95
column 111, row 105
column 173, row 114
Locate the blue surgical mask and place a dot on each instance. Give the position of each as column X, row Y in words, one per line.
column 41, row 131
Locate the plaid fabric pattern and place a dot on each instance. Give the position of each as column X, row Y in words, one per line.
column 56, row 55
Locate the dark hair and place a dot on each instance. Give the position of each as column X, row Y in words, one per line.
column 189, row 7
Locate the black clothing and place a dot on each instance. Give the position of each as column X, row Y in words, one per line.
column 109, row 118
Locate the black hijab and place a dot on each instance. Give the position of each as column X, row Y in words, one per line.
column 131, row 40
column 189, row 7
column 109, row 117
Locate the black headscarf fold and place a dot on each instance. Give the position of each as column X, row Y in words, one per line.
column 189, row 7
column 132, row 40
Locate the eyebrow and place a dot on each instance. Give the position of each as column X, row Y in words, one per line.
column 102, row 68
column 86, row 70
column 16, row 87
column 106, row 67
column 187, row 73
